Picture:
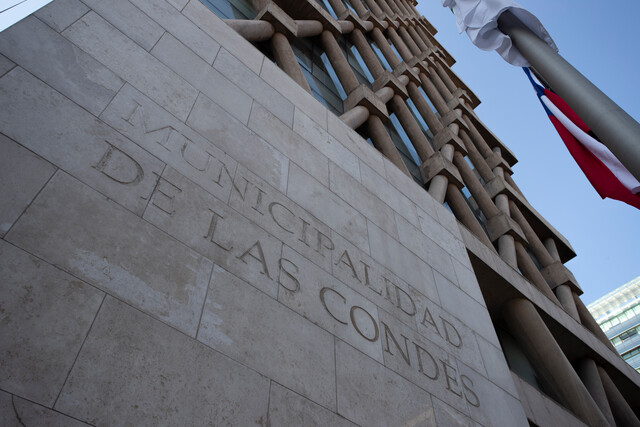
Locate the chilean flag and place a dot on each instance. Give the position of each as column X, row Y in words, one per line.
column 607, row 175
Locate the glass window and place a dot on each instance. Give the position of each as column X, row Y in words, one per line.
column 325, row 4
column 405, row 148
column 319, row 74
column 426, row 98
column 231, row 9
column 395, row 51
column 380, row 56
column 357, row 63
column 423, row 125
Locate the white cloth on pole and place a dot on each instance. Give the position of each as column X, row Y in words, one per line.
column 479, row 19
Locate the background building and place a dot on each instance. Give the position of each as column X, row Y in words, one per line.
column 290, row 217
column 618, row 314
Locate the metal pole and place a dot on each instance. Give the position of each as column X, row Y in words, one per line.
column 614, row 127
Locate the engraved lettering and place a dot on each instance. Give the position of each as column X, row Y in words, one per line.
column 256, row 207
column 272, row 205
column 346, row 260
column 376, row 334
column 366, row 274
column 400, row 296
column 164, row 194
column 323, row 292
column 212, row 231
column 447, row 326
column 428, row 319
column 259, row 257
column 452, row 380
column 387, row 335
column 119, row 166
column 420, row 351
column 241, row 193
column 137, row 120
column 467, row 385
column 197, row 156
column 320, row 240
column 292, row 278
column 305, row 226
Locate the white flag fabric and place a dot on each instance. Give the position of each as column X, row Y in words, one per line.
column 479, row 19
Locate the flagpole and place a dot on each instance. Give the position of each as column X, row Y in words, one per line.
column 616, row 129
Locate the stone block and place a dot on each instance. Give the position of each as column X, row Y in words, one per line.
column 60, row 14
column 443, row 237
column 180, row 27
column 226, row 133
column 208, row 22
column 326, row 144
column 400, row 260
column 448, row 416
column 5, row 65
column 330, row 304
column 370, row 394
column 501, row 224
column 353, row 192
column 57, row 62
column 17, row 412
column 130, row 20
column 289, row 143
column 203, row 77
column 178, row 381
column 327, row 207
column 467, row 280
column 433, row 247
column 161, row 134
column 303, row 100
column 499, row 186
column 22, row 176
column 74, row 227
column 495, row 160
column 273, row 340
column 493, row 406
column 375, row 183
column 46, row 315
column 209, row 226
column 365, row 97
column 452, row 117
column 249, row 81
column 278, row 215
column 496, row 366
column 446, row 136
column 287, row 408
column 74, row 140
column 122, row 55
column 350, row 16
column 436, row 165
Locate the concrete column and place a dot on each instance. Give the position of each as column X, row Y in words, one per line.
column 382, row 141
column 383, row 4
column 338, row 7
column 286, row 59
column 402, row 10
column 423, row 108
column 308, row 28
column 439, row 183
column 394, row 6
column 373, row 6
column 339, row 62
column 417, row 39
column 590, row 323
column 359, row 7
column 481, row 144
column 531, row 272
column 402, row 48
column 355, row 117
column 622, row 412
column 565, row 296
column 442, row 88
column 442, row 73
column 477, row 190
column 478, row 161
column 534, row 241
column 538, row 343
column 513, row 184
column 367, row 53
column 408, row 41
column 384, row 46
column 424, row 36
column 588, row 372
column 251, row 30
column 433, row 94
column 463, row 213
column 411, row 127
column 550, row 244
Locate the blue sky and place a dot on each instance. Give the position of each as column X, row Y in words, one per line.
column 599, row 39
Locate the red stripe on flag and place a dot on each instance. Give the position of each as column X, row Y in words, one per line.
column 602, row 179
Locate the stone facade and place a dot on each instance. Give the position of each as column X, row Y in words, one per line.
column 188, row 237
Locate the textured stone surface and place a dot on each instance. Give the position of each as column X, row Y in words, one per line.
column 75, row 141
column 22, row 176
column 60, row 14
column 53, row 59
column 46, row 315
column 17, row 412
column 257, row 331
column 72, row 226
column 191, row 383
